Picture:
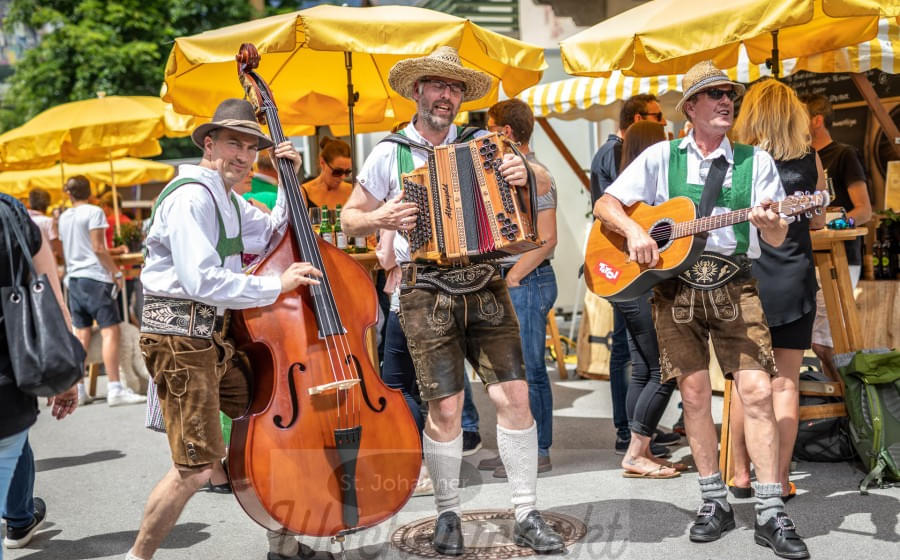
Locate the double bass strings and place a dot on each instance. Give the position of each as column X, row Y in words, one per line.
column 322, row 295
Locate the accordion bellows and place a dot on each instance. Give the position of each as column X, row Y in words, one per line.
column 467, row 212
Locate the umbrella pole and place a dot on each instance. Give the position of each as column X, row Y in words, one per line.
column 352, row 96
column 115, row 196
column 772, row 63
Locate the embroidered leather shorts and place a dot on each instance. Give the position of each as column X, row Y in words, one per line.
column 731, row 316
column 444, row 330
column 195, row 378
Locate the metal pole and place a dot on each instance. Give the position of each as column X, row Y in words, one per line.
column 773, row 62
column 352, row 97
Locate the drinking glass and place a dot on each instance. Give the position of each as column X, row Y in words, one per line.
column 315, row 218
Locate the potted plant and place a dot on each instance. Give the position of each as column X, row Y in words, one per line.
column 131, row 236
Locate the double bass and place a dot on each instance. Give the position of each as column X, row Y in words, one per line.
column 325, row 447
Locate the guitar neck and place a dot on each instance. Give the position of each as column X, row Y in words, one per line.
column 707, row 223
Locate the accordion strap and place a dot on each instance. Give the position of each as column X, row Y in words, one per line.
column 404, row 140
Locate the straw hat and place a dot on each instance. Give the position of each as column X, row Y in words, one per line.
column 701, row 76
column 233, row 114
column 443, row 62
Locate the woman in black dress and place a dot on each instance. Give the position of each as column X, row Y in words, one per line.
column 774, row 119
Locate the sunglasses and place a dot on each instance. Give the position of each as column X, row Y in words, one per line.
column 338, row 172
column 715, row 93
column 658, row 116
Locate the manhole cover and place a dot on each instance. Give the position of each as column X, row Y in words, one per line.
column 488, row 534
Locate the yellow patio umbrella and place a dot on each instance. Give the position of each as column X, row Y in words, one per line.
column 309, row 56
column 669, row 36
column 126, row 172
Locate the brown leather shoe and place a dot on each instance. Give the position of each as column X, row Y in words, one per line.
column 490, row 464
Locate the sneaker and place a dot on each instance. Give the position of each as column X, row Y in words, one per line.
column 424, row 487
column 666, row 438
column 471, row 443
column 17, row 537
column 123, row 397
column 678, row 427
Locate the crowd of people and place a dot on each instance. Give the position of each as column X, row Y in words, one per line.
column 759, row 319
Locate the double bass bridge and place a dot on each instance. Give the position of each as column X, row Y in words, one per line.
column 334, row 386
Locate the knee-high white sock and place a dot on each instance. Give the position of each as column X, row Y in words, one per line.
column 282, row 542
column 519, row 453
column 444, row 460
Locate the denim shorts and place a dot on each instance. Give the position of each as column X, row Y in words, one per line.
column 443, row 330
column 91, row 300
column 196, row 378
column 731, row 316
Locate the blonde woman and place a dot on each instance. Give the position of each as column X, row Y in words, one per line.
column 774, row 119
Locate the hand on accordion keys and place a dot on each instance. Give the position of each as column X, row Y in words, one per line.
column 397, row 215
column 513, row 170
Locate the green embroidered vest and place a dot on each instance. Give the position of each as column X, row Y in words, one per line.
column 735, row 198
column 226, row 246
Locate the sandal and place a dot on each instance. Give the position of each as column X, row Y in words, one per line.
column 679, row 467
column 791, row 492
column 655, row 473
column 740, row 492
column 224, row 488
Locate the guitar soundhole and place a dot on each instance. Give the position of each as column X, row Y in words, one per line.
column 661, row 232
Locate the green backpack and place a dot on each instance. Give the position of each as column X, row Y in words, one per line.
column 872, row 396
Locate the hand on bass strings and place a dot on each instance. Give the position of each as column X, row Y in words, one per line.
column 513, row 170
column 299, row 274
column 287, row 150
column 397, row 215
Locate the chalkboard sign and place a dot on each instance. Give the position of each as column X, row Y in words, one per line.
column 850, row 127
column 839, row 88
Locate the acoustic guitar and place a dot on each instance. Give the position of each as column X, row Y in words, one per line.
column 680, row 236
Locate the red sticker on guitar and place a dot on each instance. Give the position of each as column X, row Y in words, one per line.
column 611, row 273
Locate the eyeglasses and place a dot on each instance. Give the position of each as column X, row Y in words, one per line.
column 658, row 116
column 441, row 85
column 338, row 172
column 715, row 93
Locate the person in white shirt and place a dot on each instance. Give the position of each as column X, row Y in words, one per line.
column 697, row 306
column 192, row 276
column 94, row 280
column 439, row 339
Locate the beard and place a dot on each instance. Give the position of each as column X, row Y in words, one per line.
column 433, row 121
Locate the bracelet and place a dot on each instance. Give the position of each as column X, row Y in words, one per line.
column 118, row 274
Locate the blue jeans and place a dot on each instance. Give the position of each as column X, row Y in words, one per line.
column 619, row 357
column 533, row 299
column 19, row 510
column 398, row 371
column 469, row 412
column 10, row 449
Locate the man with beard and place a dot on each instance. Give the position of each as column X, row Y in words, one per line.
column 447, row 324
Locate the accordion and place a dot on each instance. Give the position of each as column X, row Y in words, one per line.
column 467, row 212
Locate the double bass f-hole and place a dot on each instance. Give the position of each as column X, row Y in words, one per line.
column 296, row 368
column 382, row 402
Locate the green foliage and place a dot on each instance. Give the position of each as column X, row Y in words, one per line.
column 116, row 46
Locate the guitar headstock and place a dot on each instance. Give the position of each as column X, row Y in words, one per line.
column 799, row 203
column 255, row 89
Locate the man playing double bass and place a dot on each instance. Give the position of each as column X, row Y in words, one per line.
column 445, row 327
column 192, row 278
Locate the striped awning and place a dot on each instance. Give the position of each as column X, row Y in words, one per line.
column 600, row 98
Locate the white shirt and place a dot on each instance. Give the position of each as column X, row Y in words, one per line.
column 379, row 173
column 75, row 225
column 646, row 179
column 182, row 261
column 44, row 223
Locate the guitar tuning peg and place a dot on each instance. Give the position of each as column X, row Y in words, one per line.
column 808, row 214
column 818, row 210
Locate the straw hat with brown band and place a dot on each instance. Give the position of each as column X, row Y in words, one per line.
column 443, row 62
column 701, row 76
column 233, row 114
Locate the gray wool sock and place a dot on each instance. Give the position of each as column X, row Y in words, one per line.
column 712, row 487
column 518, row 451
column 768, row 501
column 444, row 460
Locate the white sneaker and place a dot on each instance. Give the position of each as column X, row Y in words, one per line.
column 123, row 397
column 424, row 487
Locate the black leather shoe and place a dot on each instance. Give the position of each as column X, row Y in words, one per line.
column 536, row 534
column 712, row 520
column 780, row 534
column 448, row 537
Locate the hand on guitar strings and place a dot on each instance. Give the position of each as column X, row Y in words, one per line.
column 397, row 215
column 299, row 274
column 513, row 170
column 287, row 150
column 642, row 249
